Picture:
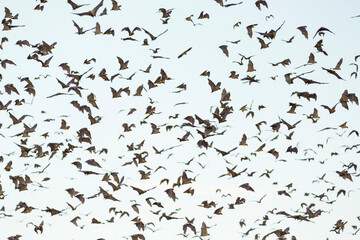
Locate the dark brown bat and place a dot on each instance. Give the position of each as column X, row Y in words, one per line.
column 74, row 5
column 46, row 63
column 247, row 187
column 6, row 61
column 258, row 4
column 140, row 191
column 330, row 71
column 4, row 39
column 272, row 33
column 153, row 38
column 123, row 65
column 213, row 86
column 91, row 13
column 9, row 88
column 203, row 15
column 284, row 63
column 221, row 3
column 170, row 192
column 15, row 120
column 309, row 81
column 224, row 49
column 304, row 31
column 249, row 29
column 185, row 52
column 290, row 40
column 251, row 66
column 165, row 12
column 321, row 31
column 338, row 65
column 318, row 47
column 4, row 107
column 263, row 44
column 289, row 126
column 223, row 153
column 131, row 32
column 115, row 6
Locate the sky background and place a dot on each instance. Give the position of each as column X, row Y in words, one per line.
column 55, row 24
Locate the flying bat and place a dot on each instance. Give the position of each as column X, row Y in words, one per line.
column 185, row 52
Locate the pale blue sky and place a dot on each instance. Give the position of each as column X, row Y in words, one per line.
column 54, row 24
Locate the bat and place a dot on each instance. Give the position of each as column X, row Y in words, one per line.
column 91, row 13
column 185, row 52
